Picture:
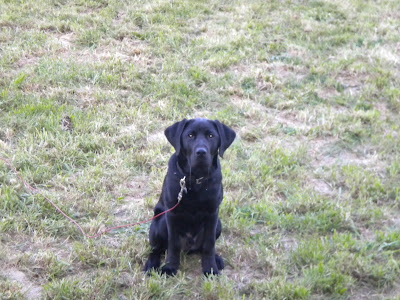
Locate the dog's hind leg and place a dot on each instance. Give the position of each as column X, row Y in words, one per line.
column 158, row 241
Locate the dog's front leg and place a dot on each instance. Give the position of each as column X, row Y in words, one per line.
column 174, row 250
column 208, row 252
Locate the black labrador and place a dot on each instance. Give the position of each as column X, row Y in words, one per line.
column 194, row 225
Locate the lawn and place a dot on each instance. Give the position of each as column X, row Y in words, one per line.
column 312, row 182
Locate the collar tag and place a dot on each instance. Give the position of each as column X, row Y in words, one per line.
column 199, row 180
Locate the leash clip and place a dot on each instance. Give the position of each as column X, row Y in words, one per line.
column 182, row 183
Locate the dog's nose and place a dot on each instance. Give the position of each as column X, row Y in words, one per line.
column 201, row 151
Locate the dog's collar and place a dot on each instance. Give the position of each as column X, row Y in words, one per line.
column 197, row 180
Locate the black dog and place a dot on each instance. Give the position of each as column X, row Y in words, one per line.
column 193, row 225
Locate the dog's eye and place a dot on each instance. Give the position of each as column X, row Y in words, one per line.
column 191, row 135
column 210, row 135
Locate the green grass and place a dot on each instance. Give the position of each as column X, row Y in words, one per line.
column 312, row 194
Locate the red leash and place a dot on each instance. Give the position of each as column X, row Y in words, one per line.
column 182, row 183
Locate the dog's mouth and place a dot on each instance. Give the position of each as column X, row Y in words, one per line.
column 199, row 167
column 203, row 162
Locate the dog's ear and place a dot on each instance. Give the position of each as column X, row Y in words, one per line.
column 173, row 134
column 227, row 136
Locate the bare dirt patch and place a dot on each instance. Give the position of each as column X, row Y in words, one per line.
column 353, row 83
column 252, row 110
column 285, row 72
column 271, row 75
column 20, row 244
column 215, row 32
column 138, row 189
column 291, row 119
column 321, row 186
column 27, row 61
column 328, row 93
column 66, row 41
column 319, row 151
column 127, row 49
column 29, row 289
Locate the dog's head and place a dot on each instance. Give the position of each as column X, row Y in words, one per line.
column 200, row 141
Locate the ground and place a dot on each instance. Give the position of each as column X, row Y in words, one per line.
column 312, row 196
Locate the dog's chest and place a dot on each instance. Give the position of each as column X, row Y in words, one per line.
column 190, row 228
column 190, row 242
column 202, row 198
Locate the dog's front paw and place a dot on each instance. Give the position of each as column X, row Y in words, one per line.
column 149, row 267
column 211, row 271
column 169, row 270
column 153, row 263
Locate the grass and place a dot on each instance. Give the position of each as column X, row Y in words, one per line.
column 312, row 193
